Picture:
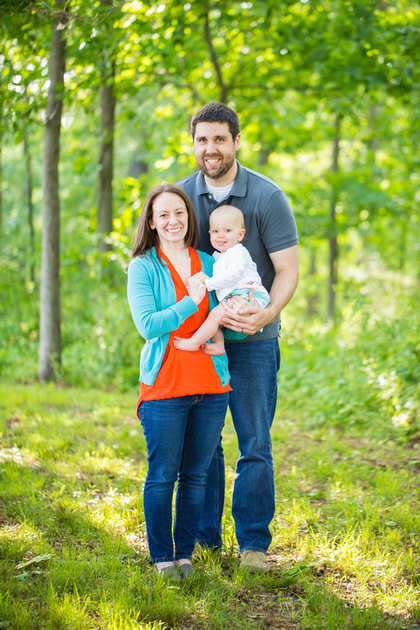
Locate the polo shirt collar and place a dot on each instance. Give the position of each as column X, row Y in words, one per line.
column 239, row 187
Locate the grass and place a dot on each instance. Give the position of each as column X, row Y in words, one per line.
column 73, row 551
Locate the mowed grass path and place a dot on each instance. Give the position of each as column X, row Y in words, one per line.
column 73, row 551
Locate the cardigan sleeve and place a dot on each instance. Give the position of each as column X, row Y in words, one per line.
column 150, row 318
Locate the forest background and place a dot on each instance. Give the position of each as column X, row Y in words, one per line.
column 95, row 104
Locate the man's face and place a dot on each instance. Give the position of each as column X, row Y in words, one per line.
column 214, row 148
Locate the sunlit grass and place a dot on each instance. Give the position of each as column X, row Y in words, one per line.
column 73, row 548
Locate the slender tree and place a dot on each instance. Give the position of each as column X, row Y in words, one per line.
column 29, row 196
column 106, row 150
column 333, row 246
column 50, row 333
column 1, row 174
column 2, row 88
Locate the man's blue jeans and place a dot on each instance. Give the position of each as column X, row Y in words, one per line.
column 181, row 436
column 253, row 367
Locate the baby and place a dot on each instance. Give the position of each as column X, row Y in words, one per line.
column 234, row 274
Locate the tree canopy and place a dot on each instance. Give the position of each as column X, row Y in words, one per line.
column 327, row 95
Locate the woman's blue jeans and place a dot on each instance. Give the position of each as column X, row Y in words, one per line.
column 253, row 367
column 181, row 436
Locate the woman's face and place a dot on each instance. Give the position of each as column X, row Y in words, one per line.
column 170, row 219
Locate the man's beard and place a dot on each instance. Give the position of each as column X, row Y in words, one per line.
column 225, row 166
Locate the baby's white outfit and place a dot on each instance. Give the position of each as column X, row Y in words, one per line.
column 235, row 269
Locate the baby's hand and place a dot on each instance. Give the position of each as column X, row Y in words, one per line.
column 234, row 303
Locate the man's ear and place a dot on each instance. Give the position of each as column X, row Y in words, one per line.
column 237, row 141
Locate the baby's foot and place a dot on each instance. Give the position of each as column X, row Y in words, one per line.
column 185, row 344
column 215, row 349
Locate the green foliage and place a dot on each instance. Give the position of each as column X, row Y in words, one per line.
column 288, row 73
column 103, row 348
column 365, row 372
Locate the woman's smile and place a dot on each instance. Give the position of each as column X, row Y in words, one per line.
column 170, row 218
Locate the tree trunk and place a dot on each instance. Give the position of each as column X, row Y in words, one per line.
column 106, row 166
column 403, row 246
column 106, row 152
column 373, row 143
column 224, row 89
column 50, row 334
column 28, row 163
column 263, row 156
column 1, row 172
column 312, row 304
column 138, row 167
column 333, row 252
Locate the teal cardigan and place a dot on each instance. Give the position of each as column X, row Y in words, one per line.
column 156, row 313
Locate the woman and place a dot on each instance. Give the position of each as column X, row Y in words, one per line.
column 183, row 395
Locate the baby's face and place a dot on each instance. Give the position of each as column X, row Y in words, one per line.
column 225, row 232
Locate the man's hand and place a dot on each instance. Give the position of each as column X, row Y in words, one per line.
column 243, row 316
column 250, row 319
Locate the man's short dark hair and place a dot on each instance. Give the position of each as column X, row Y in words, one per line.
column 216, row 112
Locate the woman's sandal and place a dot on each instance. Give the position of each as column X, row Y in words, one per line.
column 169, row 573
column 185, row 567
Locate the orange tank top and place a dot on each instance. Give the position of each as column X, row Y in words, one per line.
column 184, row 373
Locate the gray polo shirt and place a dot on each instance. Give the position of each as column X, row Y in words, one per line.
column 269, row 222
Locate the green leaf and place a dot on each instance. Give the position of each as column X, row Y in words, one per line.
column 23, row 576
column 47, row 7
column 35, row 560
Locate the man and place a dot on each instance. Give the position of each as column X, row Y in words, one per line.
column 254, row 361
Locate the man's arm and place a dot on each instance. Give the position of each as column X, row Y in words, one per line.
column 250, row 319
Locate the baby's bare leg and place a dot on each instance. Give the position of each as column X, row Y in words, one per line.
column 204, row 333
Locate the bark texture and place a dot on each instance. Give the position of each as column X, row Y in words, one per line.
column 50, row 331
column 106, row 165
column 1, row 170
column 106, row 150
column 333, row 254
column 28, row 164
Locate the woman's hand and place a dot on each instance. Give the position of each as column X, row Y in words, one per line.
column 197, row 287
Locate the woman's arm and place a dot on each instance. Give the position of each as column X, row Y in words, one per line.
column 144, row 298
